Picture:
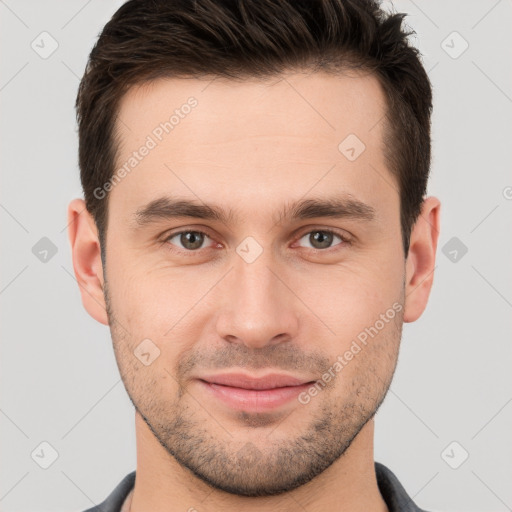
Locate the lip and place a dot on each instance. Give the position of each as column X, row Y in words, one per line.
column 255, row 394
column 244, row 381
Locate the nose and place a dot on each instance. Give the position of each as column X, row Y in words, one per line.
column 259, row 306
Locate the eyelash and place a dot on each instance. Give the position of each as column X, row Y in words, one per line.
column 344, row 240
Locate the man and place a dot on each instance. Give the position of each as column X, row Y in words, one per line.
column 255, row 232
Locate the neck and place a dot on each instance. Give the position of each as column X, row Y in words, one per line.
column 162, row 484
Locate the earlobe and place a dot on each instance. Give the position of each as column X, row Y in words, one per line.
column 421, row 259
column 86, row 255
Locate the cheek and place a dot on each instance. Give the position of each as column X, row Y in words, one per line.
column 163, row 306
column 365, row 312
column 356, row 295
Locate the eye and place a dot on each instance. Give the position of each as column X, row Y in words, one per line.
column 194, row 240
column 189, row 240
column 323, row 238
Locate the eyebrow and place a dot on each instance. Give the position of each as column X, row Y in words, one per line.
column 338, row 207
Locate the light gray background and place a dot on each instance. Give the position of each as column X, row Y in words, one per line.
column 59, row 379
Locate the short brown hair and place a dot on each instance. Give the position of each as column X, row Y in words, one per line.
column 150, row 39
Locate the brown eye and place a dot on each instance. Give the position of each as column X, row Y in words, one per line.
column 322, row 238
column 189, row 240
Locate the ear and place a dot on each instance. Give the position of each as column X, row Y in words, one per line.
column 421, row 259
column 86, row 254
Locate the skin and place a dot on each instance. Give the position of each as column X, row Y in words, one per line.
column 254, row 146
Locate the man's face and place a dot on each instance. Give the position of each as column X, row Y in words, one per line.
column 260, row 292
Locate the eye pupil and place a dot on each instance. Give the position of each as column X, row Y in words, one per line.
column 323, row 237
column 191, row 239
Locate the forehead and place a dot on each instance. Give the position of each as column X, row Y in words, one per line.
column 274, row 106
column 250, row 139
